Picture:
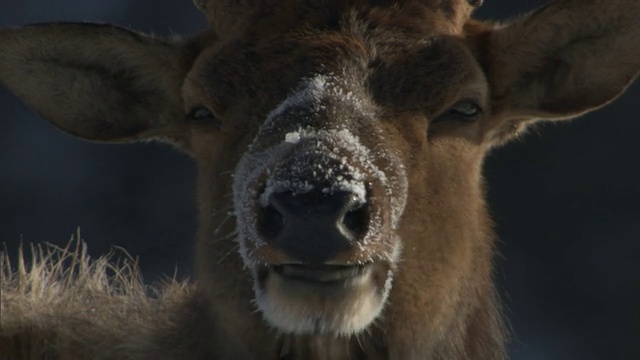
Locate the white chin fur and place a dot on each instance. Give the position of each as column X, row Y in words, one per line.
column 320, row 314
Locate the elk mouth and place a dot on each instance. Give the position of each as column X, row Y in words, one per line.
column 321, row 273
column 322, row 299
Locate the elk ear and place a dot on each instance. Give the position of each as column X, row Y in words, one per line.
column 563, row 60
column 97, row 82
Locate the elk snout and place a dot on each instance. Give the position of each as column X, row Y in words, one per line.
column 314, row 227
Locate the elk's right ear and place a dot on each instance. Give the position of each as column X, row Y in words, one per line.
column 97, row 82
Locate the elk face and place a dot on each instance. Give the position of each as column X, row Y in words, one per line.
column 320, row 191
column 332, row 139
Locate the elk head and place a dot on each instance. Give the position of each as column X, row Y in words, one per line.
column 339, row 144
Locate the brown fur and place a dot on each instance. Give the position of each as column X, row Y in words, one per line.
column 405, row 65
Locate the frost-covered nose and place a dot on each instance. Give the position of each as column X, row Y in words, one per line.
column 316, row 226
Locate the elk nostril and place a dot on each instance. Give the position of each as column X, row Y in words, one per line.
column 356, row 221
column 272, row 222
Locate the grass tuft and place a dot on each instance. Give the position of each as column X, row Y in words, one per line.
column 63, row 304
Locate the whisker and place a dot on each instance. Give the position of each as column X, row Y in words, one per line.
column 225, row 256
column 221, row 238
column 222, row 224
column 221, row 210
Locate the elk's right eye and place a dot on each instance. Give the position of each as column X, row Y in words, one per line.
column 202, row 116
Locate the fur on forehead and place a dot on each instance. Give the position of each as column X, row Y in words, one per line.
column 233, row 17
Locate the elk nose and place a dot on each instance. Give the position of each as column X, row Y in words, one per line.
column 314, row 227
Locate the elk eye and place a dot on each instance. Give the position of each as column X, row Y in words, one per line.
column 464, row 111
column 203, row 116
column 466, row 108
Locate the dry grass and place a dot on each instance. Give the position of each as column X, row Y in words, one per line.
column 62, row 304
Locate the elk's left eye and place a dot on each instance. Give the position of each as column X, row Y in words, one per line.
column 467, row 108
column 464, row 111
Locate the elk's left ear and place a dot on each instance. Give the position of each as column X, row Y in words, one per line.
column 563, row 60
column 97, row 82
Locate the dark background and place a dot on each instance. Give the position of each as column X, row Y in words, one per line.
column 565, row 198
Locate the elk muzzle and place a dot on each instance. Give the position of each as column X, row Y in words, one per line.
column 317, row 211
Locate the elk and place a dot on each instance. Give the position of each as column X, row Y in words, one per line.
column 355, row 133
